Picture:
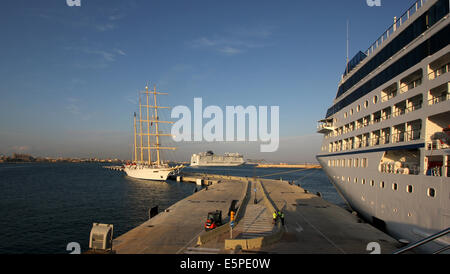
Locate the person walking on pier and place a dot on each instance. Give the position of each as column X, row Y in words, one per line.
column 275, row 217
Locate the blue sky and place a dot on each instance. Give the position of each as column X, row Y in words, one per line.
column 69, row 76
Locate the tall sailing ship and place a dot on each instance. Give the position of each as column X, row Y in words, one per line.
column 147, row 167
column 386, row 139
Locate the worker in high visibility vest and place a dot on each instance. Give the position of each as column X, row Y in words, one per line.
column 232, row 216
column 275, row 217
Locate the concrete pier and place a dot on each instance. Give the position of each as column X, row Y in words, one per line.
column 313, row 226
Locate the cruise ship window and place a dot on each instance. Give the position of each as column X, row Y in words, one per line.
column 366, row 103
column 363, row 181
column 375, row 99
column 381, row 184
column 409, row 189
column 372, row 183
column 394, row 186
column 431, row 192
column 358, row 108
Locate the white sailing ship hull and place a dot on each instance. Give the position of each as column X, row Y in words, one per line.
column 148, row 173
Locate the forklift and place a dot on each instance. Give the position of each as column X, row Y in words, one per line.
column 214, row 220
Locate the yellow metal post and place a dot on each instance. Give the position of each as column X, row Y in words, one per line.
column 140, row 129
column 148, row 128
column 157, row 129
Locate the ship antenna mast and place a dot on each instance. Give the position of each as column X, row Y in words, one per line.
column 135, row 140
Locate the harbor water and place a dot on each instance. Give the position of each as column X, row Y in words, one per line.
column 43, row 207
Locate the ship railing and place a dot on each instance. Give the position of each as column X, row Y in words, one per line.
column 404, row 87
column 389, row 96
column 398, row 112
column 394, row 27
column 400, row 168
column 425, row 241
column 384, row 139
column 439, row 99
column 438, row 72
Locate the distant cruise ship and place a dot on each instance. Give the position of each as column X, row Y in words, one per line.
column 387, row 135
column 210, row 159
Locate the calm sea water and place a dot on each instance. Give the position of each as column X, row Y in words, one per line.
column 43, row 207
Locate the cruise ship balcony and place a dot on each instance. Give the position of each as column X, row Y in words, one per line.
column 437, row 166
column 389, row 92
column 325, row 126
column 438, row 134
column 411, row 81
column 439, row 67
column 439, row 94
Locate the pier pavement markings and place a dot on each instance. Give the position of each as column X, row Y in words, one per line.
column 316, row 229
column 190, row 242
column 275, row 192
column 323, row 235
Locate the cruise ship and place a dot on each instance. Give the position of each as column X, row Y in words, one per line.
column 386, row 139
column 210, row 159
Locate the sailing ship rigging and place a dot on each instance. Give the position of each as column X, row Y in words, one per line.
column 147, row 168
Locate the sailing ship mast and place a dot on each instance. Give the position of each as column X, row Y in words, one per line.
column 149, row 122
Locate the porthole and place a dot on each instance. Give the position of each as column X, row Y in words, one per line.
column 409, row 189
column 358, row 108
column 345, row 115
column 351, row 112
column 394, row 186
column 363, row 181
column 356, row 180
column 372, row 183
column 375, row 99
column 366, row 103
column 431, row 192
column 381, row 184
column 348, row 179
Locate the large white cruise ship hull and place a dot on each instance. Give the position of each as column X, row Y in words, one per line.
column 393, row 202
column 208, row 159
column 217, row 165
column 386, row 145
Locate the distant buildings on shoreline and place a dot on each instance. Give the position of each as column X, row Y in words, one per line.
column 26, row 158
